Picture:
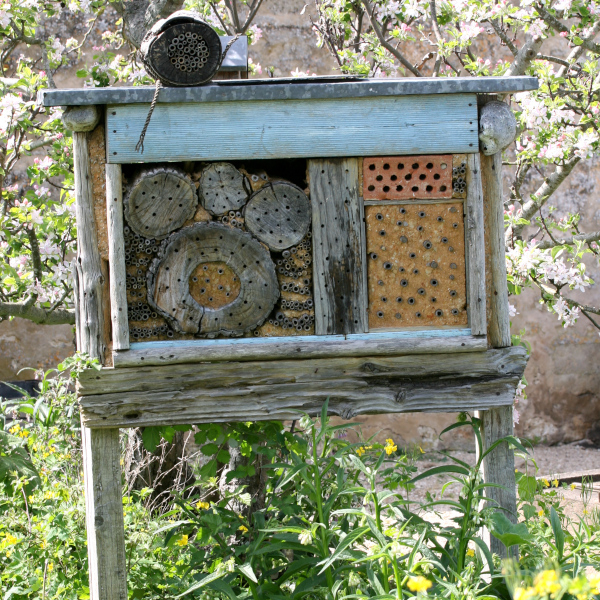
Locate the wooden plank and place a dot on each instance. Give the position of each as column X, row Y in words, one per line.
column 294, row 128
column 475, row 247
column 309, row 346
column 339, row 247
column 116, row 258
column 289, row 89
column 90, row 277
column 104, row 514
column 213, row 392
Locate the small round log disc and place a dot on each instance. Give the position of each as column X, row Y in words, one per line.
column 185, row 54
column 223, row 188
column 160, row 201
column 238, row 255
column 278, row 215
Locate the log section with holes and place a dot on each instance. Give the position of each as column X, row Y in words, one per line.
column 209, row 392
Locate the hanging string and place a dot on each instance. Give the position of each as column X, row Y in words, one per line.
column 140, row 145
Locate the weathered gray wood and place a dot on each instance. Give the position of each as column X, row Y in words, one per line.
column 279, row 215
column 339, row 247
column 377, row 126
column 169, row 280
column 116, row 258
column 498, row 320
column 160, row 201
column 88, row 262
column 289, row 89
column 499, row 465
column 303, row 347
column 101, row 450
column 223, row 188
column 229, row 391
column 475, row 248
column 104, row 514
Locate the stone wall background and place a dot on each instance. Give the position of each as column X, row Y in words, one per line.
column 564, row 370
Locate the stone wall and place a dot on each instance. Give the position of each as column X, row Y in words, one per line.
column 563, row 374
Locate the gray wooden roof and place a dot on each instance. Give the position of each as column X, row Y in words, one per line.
column 288, row 89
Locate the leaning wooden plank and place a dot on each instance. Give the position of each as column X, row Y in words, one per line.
column 339, row 247
column 116, row 258
column 475, row 248
column 280, row 390
column 376, row 126
column 104, row 514
column 303, row 347
column 90, row 278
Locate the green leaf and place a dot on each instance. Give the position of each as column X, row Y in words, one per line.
column 527, row 487
column 439, row 470
column 203, row 583
column 347, row 541
column 223, row 456
column 247, row 570
column 209, row 449
column 510, row 534
column 151, row 438
column 13, row 457
column 559, row 534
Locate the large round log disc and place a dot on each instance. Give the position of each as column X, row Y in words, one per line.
column 234, row 294
column 223, row 188
column 182, row 50
column 160, row 201
column 278, row 215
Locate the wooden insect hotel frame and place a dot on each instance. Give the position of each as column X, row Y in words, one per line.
column 278, row 243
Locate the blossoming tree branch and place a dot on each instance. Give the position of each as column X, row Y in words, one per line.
column 556, row 41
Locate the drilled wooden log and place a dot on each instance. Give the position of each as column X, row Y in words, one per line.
column 278, row 215
column 223, row 188
column 160, row 201
column 178, row 285
column 230, row 391
column 182, row 50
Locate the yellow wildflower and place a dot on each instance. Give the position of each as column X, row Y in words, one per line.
column 555, row 482
column 360, row 451
column 48, row 495
column 470, row 552
column 421, row 450
column 390, row 446
column 23, row 434
column 50, row 567
column 182, row 541
column 541, row 512
column 202, row 505
column 14, row 429
column 419, row 584
column 523, row 593
column 546, row 583
column 546, row 483
column 11, row 539
column 30, row 498
column 573, row 486
column 243, row 529
column 586, row 511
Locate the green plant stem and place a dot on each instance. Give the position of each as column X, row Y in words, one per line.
column 319, row 500
column 397, row 578
column 386, row 576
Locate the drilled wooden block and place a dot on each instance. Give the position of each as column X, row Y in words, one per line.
column 407, row 177
column 416, row 265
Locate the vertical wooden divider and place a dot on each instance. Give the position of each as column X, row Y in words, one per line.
column 101, row 448
column 339, row 246
column 499, row 465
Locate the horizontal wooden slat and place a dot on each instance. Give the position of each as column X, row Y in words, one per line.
column 309, row 346
column 434, row 124
column 213, row 392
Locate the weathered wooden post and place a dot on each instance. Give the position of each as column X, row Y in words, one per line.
column 257, row 266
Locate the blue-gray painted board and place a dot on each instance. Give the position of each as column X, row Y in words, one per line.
column 289, row 89
column 295, row 129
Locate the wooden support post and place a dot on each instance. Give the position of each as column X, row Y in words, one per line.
column 101, row 449
column 498, row 466
column 116, row 258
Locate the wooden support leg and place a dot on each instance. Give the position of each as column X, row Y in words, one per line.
column 104, row 514
column 499, row 465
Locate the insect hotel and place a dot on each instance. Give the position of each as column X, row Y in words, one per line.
column 280, row 242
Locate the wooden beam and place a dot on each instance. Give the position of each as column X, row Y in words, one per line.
column 475, row 247
column 499, row 465
column 116, row 258
column 339, row 247
column 254, row 391
column 101, row 449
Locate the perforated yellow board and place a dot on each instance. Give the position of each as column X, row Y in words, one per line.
column 416, row 265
